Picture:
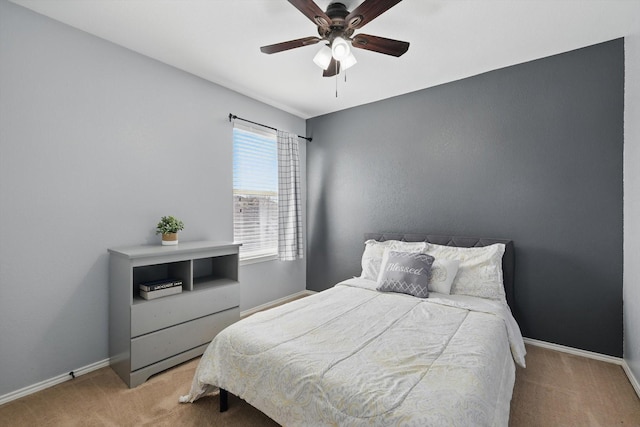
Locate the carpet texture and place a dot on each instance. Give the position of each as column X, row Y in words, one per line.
column 559, row 389
column 556, row 389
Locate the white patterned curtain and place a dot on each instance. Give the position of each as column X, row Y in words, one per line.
column 289, row 198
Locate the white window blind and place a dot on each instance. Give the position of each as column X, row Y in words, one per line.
column 255, row 192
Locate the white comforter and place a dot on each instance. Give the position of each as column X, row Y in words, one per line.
column 353, row 356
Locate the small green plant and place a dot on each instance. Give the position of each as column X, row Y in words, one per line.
column 169, row 224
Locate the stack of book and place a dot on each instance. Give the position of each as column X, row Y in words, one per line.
column 160, row 288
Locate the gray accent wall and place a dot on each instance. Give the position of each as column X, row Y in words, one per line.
column 532, row 152
column 96, row 144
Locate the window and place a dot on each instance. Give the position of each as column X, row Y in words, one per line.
column 255, row 192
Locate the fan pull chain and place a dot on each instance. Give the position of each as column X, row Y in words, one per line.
column 345, row 80
column 337, row 79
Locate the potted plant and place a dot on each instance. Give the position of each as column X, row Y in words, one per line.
column 169, row 227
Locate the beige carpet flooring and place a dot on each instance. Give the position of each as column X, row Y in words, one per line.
column 556, row 389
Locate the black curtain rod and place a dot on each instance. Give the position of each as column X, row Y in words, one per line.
column 234, row 117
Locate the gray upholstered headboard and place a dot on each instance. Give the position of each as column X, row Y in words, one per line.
column 508, row 259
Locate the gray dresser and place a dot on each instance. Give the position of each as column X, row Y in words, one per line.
column 149, row 336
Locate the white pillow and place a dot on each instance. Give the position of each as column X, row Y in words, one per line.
column 374, row 250
column 443, row 271
column 372, row 258
column 479, row 272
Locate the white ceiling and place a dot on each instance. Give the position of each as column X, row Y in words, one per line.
column 219, row 40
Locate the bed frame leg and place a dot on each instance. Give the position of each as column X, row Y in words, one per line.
column 224, row 400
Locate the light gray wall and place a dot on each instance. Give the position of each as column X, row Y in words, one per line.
column 531, row 152
column 96, row 143
column 632, row 204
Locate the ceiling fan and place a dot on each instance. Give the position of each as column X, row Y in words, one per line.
column 336, row 26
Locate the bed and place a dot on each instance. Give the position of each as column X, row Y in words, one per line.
column 361, row 353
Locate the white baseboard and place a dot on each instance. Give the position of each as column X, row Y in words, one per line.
column 52, row 381
column 632, row 378
column 574, row 351
column 275, row 303
column 591, row 355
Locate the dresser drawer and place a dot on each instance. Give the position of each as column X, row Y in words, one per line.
column 159, row 345
column 152, row 315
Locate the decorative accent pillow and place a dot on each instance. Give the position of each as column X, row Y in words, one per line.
column 374, row 250
column 443, row 272
column 480, row 270
column 405, row 272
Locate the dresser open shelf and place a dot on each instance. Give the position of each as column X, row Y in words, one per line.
column 149, row 336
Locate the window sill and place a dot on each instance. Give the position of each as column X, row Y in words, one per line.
column 257, row 259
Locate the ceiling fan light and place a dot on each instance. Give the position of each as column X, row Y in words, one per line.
column 349, row 61
column 340, row 48
column 323, row 57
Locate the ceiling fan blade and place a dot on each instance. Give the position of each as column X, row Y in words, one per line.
column 332, row 69
column 291, row 44
column 313, row 12
column 380, row 44
column 368, row 11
